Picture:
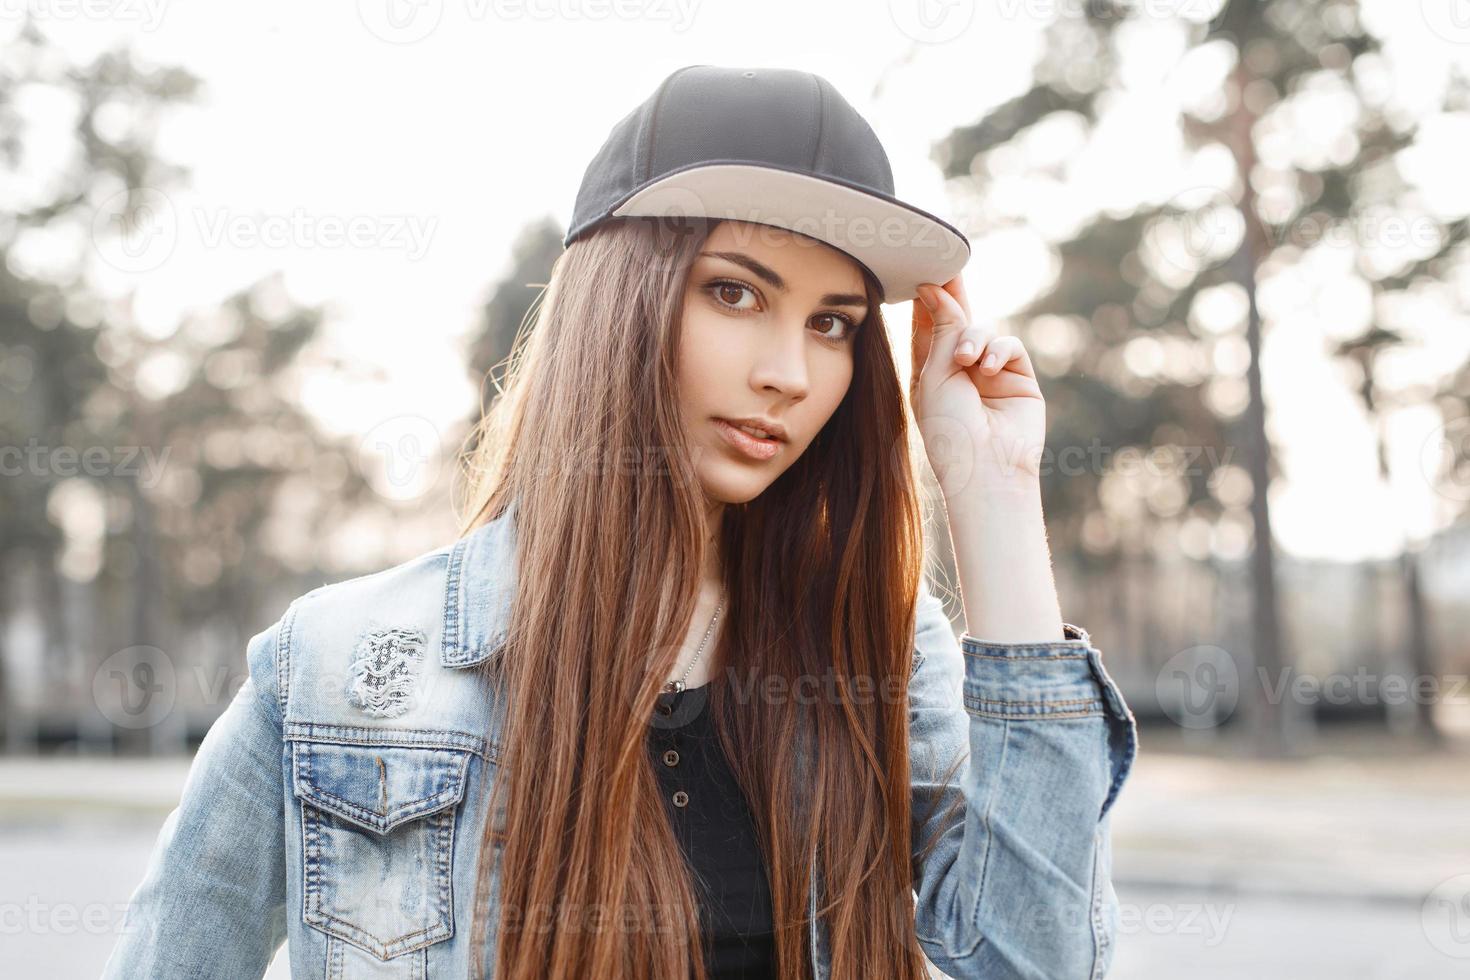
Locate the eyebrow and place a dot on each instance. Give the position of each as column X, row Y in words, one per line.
column 772, row 277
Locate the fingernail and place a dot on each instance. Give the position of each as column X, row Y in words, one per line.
column 965, row 349
column 989, row 360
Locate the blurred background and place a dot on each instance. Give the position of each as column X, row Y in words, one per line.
column 260, row 264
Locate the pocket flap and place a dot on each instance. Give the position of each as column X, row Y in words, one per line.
column 378, row 787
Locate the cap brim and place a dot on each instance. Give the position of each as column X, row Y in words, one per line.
column 901, row 245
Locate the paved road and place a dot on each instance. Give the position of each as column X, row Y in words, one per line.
column 72, row 881
column 1169, row 935
column 63, row 892
column 1343, row 867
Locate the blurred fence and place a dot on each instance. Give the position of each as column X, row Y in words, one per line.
column 1344, row 625
column 1345, row 631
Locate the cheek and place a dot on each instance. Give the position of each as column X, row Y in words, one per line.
column 834, row 384
column 702, row 365
column 830, row 380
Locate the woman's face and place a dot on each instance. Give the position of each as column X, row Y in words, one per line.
column 770, row 319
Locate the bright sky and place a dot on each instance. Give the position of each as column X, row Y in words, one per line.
column 432, row 131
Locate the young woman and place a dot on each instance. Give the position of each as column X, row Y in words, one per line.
column 679, row 701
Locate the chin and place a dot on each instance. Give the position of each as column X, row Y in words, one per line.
column 728, row 485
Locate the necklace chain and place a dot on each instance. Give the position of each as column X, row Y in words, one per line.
column 674, row 687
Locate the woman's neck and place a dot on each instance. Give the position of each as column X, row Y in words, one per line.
column 710, row 593
column 704, row 611
column 714, row 515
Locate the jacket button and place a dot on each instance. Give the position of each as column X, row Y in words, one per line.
column 671, row 758
column 681, row 798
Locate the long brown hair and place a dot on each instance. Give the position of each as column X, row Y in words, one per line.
column 820, row 572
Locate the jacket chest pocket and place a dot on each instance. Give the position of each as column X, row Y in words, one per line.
column 378, row 827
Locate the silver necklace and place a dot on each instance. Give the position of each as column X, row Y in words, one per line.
column 674, row 687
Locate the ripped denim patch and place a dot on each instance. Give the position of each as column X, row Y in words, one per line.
column 380, row 679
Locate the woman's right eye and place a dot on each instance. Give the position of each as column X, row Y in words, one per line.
column 722, row 288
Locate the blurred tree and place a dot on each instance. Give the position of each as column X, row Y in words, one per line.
column 533, row 253
column 212, row 483
column 506, row 313
column 1137, row 330
column 1288, row 55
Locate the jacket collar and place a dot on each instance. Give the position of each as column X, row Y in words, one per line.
column 479, row 587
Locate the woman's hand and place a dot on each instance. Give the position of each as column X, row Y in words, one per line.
column 984, row 427
column 979, row 410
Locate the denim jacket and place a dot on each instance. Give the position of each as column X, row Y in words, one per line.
column 337, row 803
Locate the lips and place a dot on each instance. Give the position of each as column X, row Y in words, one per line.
column 754, row 430
column 751, row 447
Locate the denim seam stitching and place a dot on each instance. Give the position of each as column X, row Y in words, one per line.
column 1121, row 717
column 365, row 743
column 418, row 939
column 1047, row 658
column 447, row 739
column 985, row 823
column 445, row 852
column 1097, row 928
column 453, row 643
column 968, row 640
column 1033, row 704
column 283, row 657
column 427, row 805
column 980, row 712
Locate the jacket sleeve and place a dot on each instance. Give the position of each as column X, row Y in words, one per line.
column 1012, row 851
column 212, row 901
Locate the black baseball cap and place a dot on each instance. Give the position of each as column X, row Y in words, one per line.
column 773, row 146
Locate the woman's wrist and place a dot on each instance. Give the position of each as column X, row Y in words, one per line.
column 1004, row 564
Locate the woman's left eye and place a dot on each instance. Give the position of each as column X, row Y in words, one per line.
column 846, row 323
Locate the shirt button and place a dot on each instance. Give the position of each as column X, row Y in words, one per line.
column 664, row 709
column 681, row 798
column 671, row 758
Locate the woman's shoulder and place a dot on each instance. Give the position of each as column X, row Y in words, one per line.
column 422, row 584
column 371, row 647
column 364, row 590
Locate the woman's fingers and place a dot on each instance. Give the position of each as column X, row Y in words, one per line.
column 923, row 332
column 1006, row 352
column 956, row 288
column 950, row 334
column 971, row 345
column 1003, row 370
column 989, row 355
column 949, row 323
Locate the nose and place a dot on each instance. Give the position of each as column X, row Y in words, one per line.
column 780, row 363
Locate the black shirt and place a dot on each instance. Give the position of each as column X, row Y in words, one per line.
column 714, row 825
